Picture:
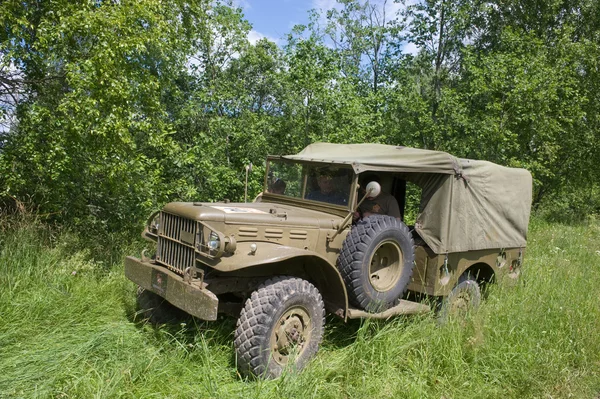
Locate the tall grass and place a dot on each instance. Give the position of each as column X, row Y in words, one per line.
column 67, row 330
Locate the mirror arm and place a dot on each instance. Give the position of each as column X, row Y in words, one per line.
column 349, row 217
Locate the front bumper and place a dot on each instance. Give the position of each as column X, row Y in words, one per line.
column 191, row 297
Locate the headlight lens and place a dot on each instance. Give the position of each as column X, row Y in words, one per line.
column 155, row 224
column 214, row 243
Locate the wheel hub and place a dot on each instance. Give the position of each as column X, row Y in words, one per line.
column 460, row 303
column 386, row 266
column 290, row 334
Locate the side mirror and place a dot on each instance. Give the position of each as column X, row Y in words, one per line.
column 373, row 189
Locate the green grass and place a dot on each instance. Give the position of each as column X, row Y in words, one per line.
column 67, row 330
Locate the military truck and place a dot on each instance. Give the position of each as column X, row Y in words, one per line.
column 300, row 250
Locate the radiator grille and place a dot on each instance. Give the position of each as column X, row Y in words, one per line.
column 175, row 242
column 172, row 226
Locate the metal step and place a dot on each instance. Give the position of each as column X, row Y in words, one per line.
column 403, row 308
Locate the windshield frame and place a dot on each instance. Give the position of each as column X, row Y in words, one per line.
column 309, row 169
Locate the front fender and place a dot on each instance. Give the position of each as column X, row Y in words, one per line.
column 266, row 252
column 271, row 259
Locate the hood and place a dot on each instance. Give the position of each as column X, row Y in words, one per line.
column 252, row 213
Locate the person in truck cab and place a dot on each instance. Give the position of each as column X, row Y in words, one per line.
column 382, row 204
column 278, row 187
column 327, row 191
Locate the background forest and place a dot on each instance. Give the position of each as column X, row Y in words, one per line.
column 112, row 108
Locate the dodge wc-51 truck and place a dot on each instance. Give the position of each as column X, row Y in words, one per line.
column 303, row 248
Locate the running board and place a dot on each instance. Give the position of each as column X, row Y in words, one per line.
column 404, row 307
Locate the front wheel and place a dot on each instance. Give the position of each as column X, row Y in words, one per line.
column 155, row 309
column 280, row 326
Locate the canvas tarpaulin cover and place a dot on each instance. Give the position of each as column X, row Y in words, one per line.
column 487, row 206
column 382, row 157
column 466, row 205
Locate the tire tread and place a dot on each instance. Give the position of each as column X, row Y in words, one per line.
column 353, row 253
column 252, row 328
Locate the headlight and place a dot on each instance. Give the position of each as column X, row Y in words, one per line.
column 154, row 223
column 214, row 242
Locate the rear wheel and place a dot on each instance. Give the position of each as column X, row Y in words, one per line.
column 280, row 327
column 464, row 297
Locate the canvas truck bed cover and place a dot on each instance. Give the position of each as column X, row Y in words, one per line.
column 487, row 206
column 466, row 205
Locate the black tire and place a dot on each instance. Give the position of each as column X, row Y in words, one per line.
column 376, row 262
column 157, row 310
column 280, row 326
column 464, row 297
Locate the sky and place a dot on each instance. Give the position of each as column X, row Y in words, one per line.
column 274, row 19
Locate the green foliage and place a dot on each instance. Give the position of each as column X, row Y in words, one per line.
column 122, row 106
column 572, row 204
column 93, row 146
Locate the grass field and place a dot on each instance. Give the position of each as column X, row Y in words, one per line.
column 67, row 330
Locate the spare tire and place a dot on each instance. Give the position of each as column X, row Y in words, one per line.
column 376, row 262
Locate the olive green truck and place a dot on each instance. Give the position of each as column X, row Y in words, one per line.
column 280, row 263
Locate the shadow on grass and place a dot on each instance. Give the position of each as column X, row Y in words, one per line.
column 182, row 325
column 339, row 334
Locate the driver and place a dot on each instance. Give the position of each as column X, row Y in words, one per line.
column 327, row 191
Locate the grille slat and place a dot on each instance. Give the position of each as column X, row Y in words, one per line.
column 171, row 250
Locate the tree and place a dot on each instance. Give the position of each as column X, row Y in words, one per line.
column 362, row 33
column 93, row 139
column 440, row 29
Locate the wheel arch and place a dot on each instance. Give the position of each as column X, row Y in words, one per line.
column 323, row 275
column 482, row 272
column 307, row 265
column 329, row 282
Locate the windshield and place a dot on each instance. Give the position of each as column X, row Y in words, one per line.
column 323, row 183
